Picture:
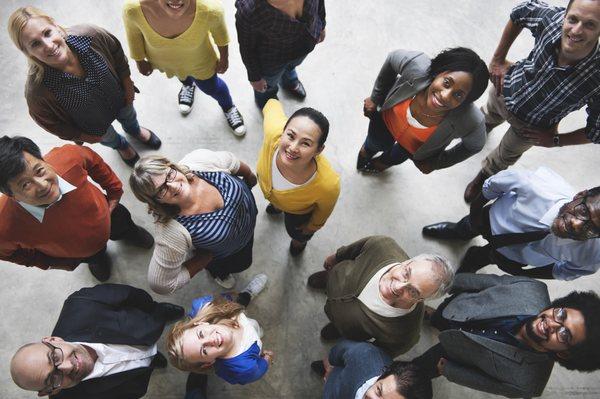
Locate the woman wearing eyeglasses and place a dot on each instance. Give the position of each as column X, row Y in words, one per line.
column 205, row 216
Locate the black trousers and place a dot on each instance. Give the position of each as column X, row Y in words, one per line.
column 234, row 263
column 122, row 227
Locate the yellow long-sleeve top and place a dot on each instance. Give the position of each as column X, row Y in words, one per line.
column 192, row 53
column 318, row 196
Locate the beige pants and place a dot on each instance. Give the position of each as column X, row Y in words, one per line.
column 512, row 145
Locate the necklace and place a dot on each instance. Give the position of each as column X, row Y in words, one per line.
column 425, row 113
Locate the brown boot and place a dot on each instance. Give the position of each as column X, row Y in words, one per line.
column 474, row 187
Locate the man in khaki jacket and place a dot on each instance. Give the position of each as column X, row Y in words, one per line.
column 375, row 292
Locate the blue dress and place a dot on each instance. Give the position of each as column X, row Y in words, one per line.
column 242, row 369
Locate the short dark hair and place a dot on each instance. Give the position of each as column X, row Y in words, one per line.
column 12, row 162
column 411, row 381
column 584, row 356
column 464, row 60
column 317, row 117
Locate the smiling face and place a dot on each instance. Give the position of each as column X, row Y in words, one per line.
column 174, row 187
column 385, row 388
column 204, row 343
column 544, row 335
column 299, row 143
column 448, row 90
column 45, row 42
column 580, row 30
column 408, row 283
column 33, row 366
column 578, row 219
column 37, row 185
column 176, row 8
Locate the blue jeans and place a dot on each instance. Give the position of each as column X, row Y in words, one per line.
column 284, row 74
column 127, row 117
column 379, row 138
column 214, row 87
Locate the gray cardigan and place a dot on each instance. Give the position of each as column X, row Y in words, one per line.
column 403, row 75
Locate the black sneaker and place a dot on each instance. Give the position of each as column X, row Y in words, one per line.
column 186, row 99
column 235, row 121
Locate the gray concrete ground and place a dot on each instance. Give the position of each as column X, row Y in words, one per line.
column 338, row 75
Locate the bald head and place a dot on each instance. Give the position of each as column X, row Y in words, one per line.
column 29, row 366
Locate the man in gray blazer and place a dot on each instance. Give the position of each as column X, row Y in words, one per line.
column 501, row 334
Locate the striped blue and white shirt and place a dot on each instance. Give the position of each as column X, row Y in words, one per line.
column 540, row 92
column 226, row 230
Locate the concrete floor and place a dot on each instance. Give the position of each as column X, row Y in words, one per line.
column 338, row 75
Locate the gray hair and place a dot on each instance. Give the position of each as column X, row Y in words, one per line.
column 444, row 272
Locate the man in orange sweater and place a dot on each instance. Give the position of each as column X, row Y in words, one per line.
column 52, row 216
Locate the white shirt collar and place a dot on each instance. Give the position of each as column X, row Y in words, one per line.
column 38, row 212
column 360, row 393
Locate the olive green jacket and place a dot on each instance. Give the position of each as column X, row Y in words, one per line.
column 358, row 263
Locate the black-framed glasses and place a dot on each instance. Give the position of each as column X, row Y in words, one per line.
column 55, row 379
column 163, row 188
column 582, row 212
column 564, row 334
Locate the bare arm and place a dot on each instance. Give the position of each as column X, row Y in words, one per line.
column 246, row 173
column 499, row 65
column 197, row 263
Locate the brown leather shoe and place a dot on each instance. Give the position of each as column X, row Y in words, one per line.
column 474, row 187
column 318, row 280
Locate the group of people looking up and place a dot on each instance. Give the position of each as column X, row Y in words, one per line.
column 498, row 334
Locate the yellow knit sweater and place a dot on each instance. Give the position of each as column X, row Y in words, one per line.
column 317, row 196
column 192, row 53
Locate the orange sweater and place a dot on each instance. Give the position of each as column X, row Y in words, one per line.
column 409, row 137
column 76, row 227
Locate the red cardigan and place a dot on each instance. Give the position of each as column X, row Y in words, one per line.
column 76, row 227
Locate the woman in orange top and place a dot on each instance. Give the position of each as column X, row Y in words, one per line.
column 419, row 105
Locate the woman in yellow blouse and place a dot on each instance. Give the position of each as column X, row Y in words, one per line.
column 293, row 174
column 178, row 37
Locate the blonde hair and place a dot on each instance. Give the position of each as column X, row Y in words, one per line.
column 218, row 311
column 143, row 187
column 16, row 23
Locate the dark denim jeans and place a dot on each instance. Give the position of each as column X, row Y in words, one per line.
column 379, row 138
column 285, row 75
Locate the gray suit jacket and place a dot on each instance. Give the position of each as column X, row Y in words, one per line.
column 403, row 75
column 482, row 363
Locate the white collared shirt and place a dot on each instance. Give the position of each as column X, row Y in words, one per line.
column 360, row 392
column 114, row 358
column 530, row 201
column 371, row 297
column 38, row 212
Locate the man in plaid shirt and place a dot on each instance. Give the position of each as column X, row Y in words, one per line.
column 560, row 75
column 275, row 36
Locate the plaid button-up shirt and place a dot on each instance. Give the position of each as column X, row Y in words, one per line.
column 269, row 38
column 540, row 92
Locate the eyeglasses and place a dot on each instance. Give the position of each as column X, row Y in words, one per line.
column 55, row 379
column 582, row 212
column 163, row 188
column 564, row 335
column 412, row 292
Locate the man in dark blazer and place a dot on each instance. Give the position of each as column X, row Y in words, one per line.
column 103, row 346
column 502, row 335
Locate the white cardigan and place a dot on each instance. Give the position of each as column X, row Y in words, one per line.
column 173, row 243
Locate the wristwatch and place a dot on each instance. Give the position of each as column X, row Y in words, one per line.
column 556, row 140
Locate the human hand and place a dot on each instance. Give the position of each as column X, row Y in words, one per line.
column 222, row 65
column 321, row 36
column 112, row 204
column 144, row 67
column 260, row 85
column 129, row 90
column 441, row 364
column 498, row 68
column 539, row 137
column 424, row 166
column 328, row 368
column 330, row 262
column 269, row 356
column 369, row 107
column 250, row 180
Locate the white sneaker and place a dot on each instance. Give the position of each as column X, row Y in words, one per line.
column 228, row 282
column 256, row 285
column 186, row 99
column 235, row 121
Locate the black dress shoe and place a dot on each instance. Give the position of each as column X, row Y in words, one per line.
column 140, row 237
column 153, row 142
column 159, row 361
column 330, row 333
column 100, row 266
column 318, row 367
column 318, row 280
column 297, row 91
column 441, row 230
column 169, row 312
column 130, row 161
column 271, row 210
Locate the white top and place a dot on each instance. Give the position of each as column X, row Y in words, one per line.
column 371, row 297
column 412, row 121
column 251, row 333
column 113, row 358
column 173, row 243
column 38, row 212
column 530, row 201
column 279, row 182
column 360, row 392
